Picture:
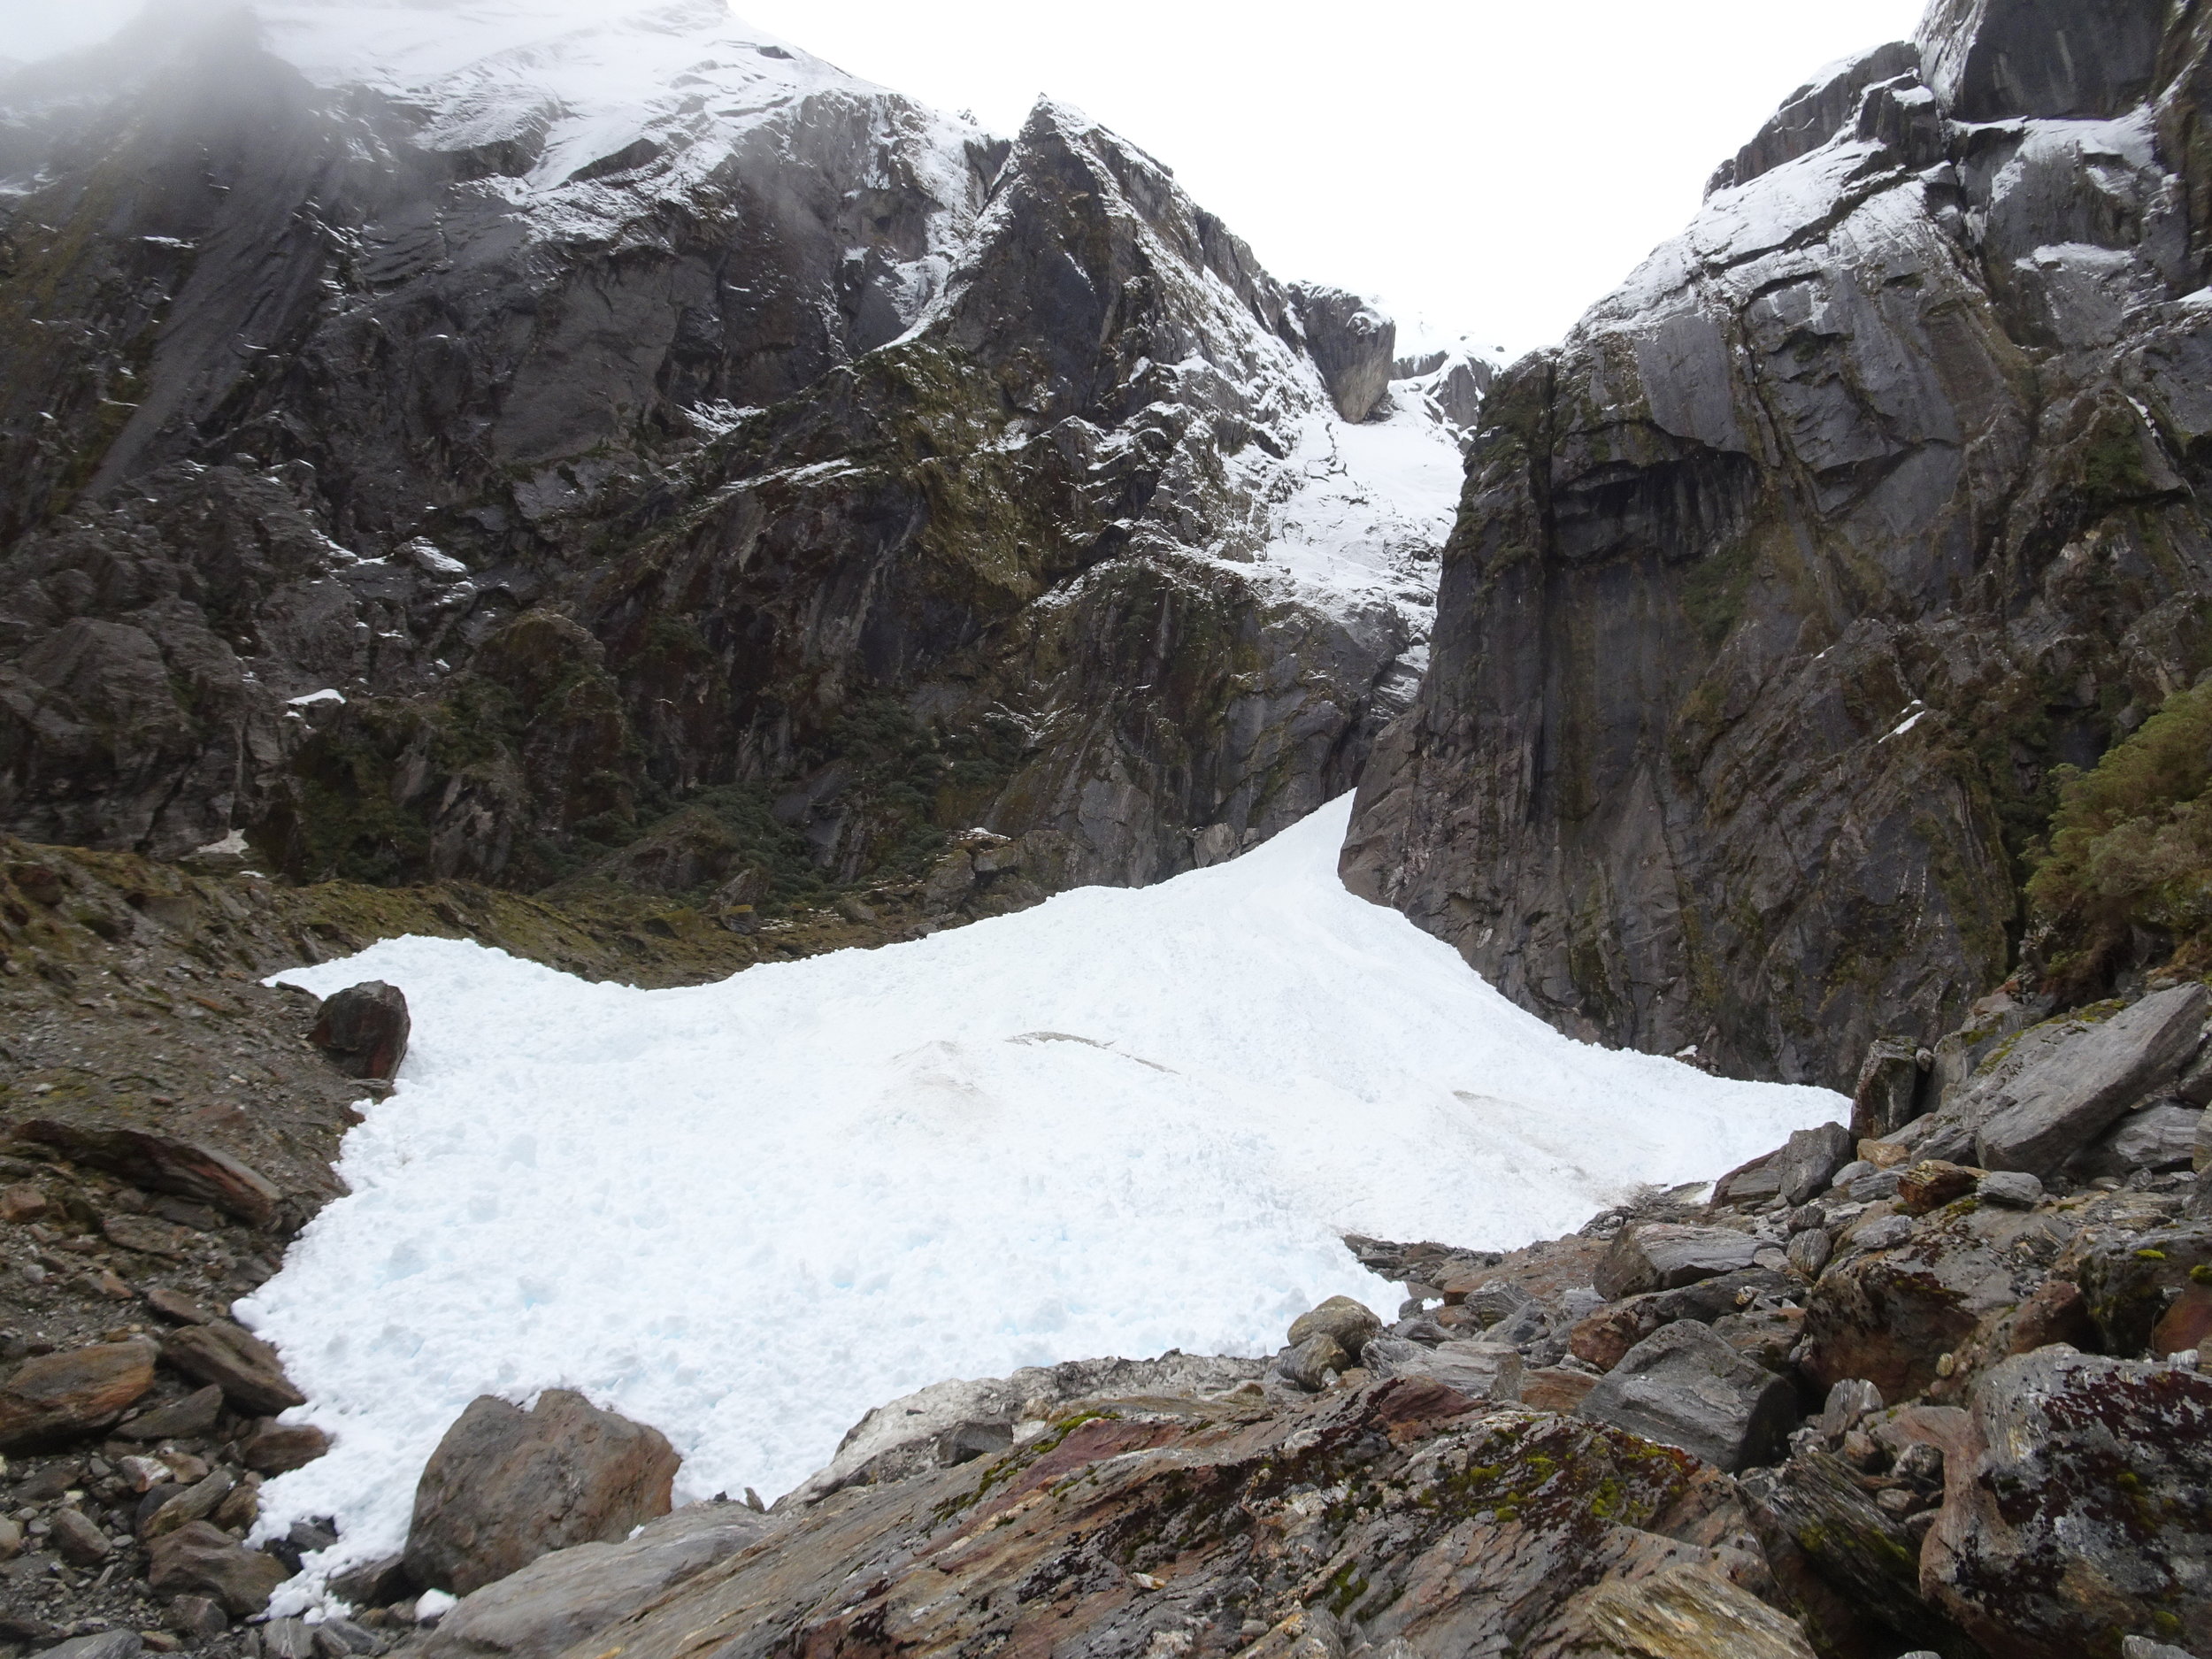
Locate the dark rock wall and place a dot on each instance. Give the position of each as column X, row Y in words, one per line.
column 841, row 472
column 1784, row 583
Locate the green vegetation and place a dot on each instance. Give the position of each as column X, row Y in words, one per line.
column 2131, row 848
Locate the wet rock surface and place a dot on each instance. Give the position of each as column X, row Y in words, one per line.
column 1771, row 609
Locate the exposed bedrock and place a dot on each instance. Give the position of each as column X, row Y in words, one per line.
column 1782, row 585
column 384, row 480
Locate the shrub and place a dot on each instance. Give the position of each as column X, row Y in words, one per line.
column 2131, row 849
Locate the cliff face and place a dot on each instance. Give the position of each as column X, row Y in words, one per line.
column 1782, row 585
column 452, row 466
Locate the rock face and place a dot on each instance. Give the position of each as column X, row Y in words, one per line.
column 363, row 1029
column 2030, row 1555
column 507, row 1485
column 802, row 477
column 1781, row 586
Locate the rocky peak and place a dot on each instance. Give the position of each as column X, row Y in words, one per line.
column 1996, row 60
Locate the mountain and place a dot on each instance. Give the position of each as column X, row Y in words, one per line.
column 541, row 440
column 1787, row 584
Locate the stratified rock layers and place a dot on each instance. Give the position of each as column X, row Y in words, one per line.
column 1784, row 583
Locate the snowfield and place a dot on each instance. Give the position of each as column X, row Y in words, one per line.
column 745, row 1213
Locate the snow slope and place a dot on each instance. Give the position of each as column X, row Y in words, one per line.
column 1121, row 1122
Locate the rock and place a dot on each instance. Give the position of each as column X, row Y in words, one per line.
column 82, row 1544
column 143, row 1474
column 1768, row 1335
column 1353, row 345
column 2186, row 1325
column 190, row 1419
column 560, row 1599
column 23, row 1203
column 107, row 1644
column 288, row 1638
column 176, row 1307
column 2143, row 1647
column 1860, row 1548
column 276, row 1448
column 162, row 1163
column 1848, row 1402
column 1810, row 1160
column 1660, row 1255
column 1310, row 1363
column 378, row 1583
column 2128, row 1283
column 505, row 1486
column 1556, row 1388
column 1682, row 1612
column 247, row 1370
column 2161, row 1136
column 1887, row 1095
column 1889, row 1315
column 10, row 1537
column 1684, row 1386
column 1932, row 1183
column 2014, row 1190
column 2075, row 1093
column 1495, row 1302
column 59, row 1397
column 198, row 1616
column 2086, row 1504
column 1350, row 1322
column 199, row 1559
column 1993, row 60
column 196, row 1503
column 363, row 1029
column 146, row 1235
column 1809, row 1251
column 1749, row 1184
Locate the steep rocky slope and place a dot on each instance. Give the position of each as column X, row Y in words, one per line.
column 449, row 450
column 1786, row 582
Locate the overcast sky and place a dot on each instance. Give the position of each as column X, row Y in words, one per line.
column 1491, row 166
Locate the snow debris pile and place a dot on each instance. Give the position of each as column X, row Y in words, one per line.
column 744, row 1213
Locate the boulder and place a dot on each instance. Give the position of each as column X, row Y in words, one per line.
column 1556, row 1388
column 1890, row 1315
column 562, row 1598
column 1661, row 1256
column 276, row 1448
column 1886, row 1097
column 107, row 1644
column 363, row 1029
column 507, row 1485
column 2129, row 1282
column 2014, row 1190
column 81, row 1543
column 1602, row 1337
column 1809, row 1251
column 59, row 1397
column 1749, row 1184
column 1810, row 1160
column 185, row 1419
column 2161, row 1136
column 1932, row 1183
column 162, row 1163
column 1681, row 1612
column 201, row 1560
column 2084, row 1511
column 1308, row 1364
column 1686, row 1386
column 244, row 1367
column 1351, row 1323
column 2076, row 1092
column 1861, row 1549
column 1480, row 1370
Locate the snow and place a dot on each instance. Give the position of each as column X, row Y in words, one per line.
column 327, row 694
column 599, row 76
column 747, row 1212
column 1370, row 510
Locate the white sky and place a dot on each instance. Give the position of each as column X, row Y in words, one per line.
column 1491, row 167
